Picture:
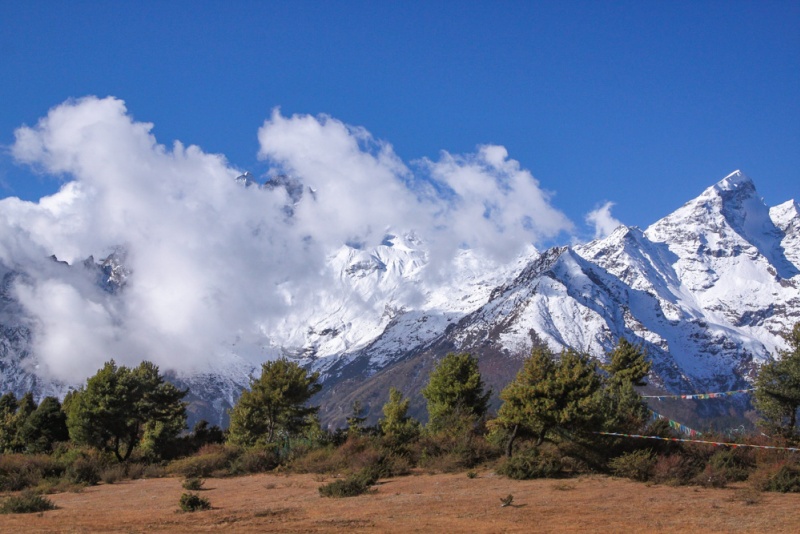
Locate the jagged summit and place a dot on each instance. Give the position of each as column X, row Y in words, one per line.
column 786, row 215
column 734, row 180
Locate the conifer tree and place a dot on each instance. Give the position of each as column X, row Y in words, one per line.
column 455, row 392
column 549, row 395
column 275, row 404
column 13, row 415
column 120, row 405
column 627, row 363
column 624, row 409
column 8, row 430
column 46, row 425
column 355, row 423
column 777, row 395
column 396, row 426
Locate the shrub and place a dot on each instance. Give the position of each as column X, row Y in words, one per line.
column 395, row 465
column 735, row 463
column 114, row 473
column 191, row 502
column 26, row 502
column 636, row 465
column 209, row 460
column 539, row 462
column 785, row 480
column 348, row 487
column 455, row 451
column 353, row 455
column 193, row 484
column 355, row 484
column 84, row 471
column 21, row 471
column 675, row 469
column 322, row 460
column 256, row 460
column 82, row 465
column 58, row 485
column 728, row 465
column 711, row 478
column 152, row 471
column 134, row 471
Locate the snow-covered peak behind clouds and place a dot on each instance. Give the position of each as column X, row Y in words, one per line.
column 214, row 267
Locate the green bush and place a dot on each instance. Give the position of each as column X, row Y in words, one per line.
column 26, row 502
column 191, row 502
column 84, row 471
column 210, row 460
column 532, row 463
column 348, row 487
column 352, row 486
column 724, row 466
column 193, row 484
column 454, row 451
column 735, row 464
column 114, row 473
column 785, row 480
column 21, row 471
column 353, row 455
column 256, row 460
column 636, row 465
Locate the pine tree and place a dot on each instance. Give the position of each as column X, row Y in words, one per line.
column 275, row 404
column 455, row 392
column 777, row 395
column 120, row 405
column 355, row 423
column 627, row 363
column 44, row 427
column 549, row 395
column 624, row 409
column 397, row 428
column 8, row 429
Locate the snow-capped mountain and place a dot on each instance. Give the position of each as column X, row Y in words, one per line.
column 708, row 291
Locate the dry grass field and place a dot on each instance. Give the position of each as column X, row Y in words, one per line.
column 449, row 503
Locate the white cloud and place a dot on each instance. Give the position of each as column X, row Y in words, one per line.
column 213, row 263
column 602, row 220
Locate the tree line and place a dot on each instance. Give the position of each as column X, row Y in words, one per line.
column 554, row 397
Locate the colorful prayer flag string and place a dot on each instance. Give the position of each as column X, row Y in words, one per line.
column 683, row 429
column 700, row 396
column 717, row 443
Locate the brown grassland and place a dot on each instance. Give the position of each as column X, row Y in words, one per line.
column 449, row 503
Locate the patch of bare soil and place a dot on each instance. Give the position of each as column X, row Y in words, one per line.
column 421, row 503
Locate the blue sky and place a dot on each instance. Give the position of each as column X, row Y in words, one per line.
column 641, row 103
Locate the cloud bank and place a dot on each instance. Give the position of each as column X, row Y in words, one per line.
column 213, row 263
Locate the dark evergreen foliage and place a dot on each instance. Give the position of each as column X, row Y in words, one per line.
column 777, row 395
column 120, row 407
column 455, row 390
column 275, row 404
